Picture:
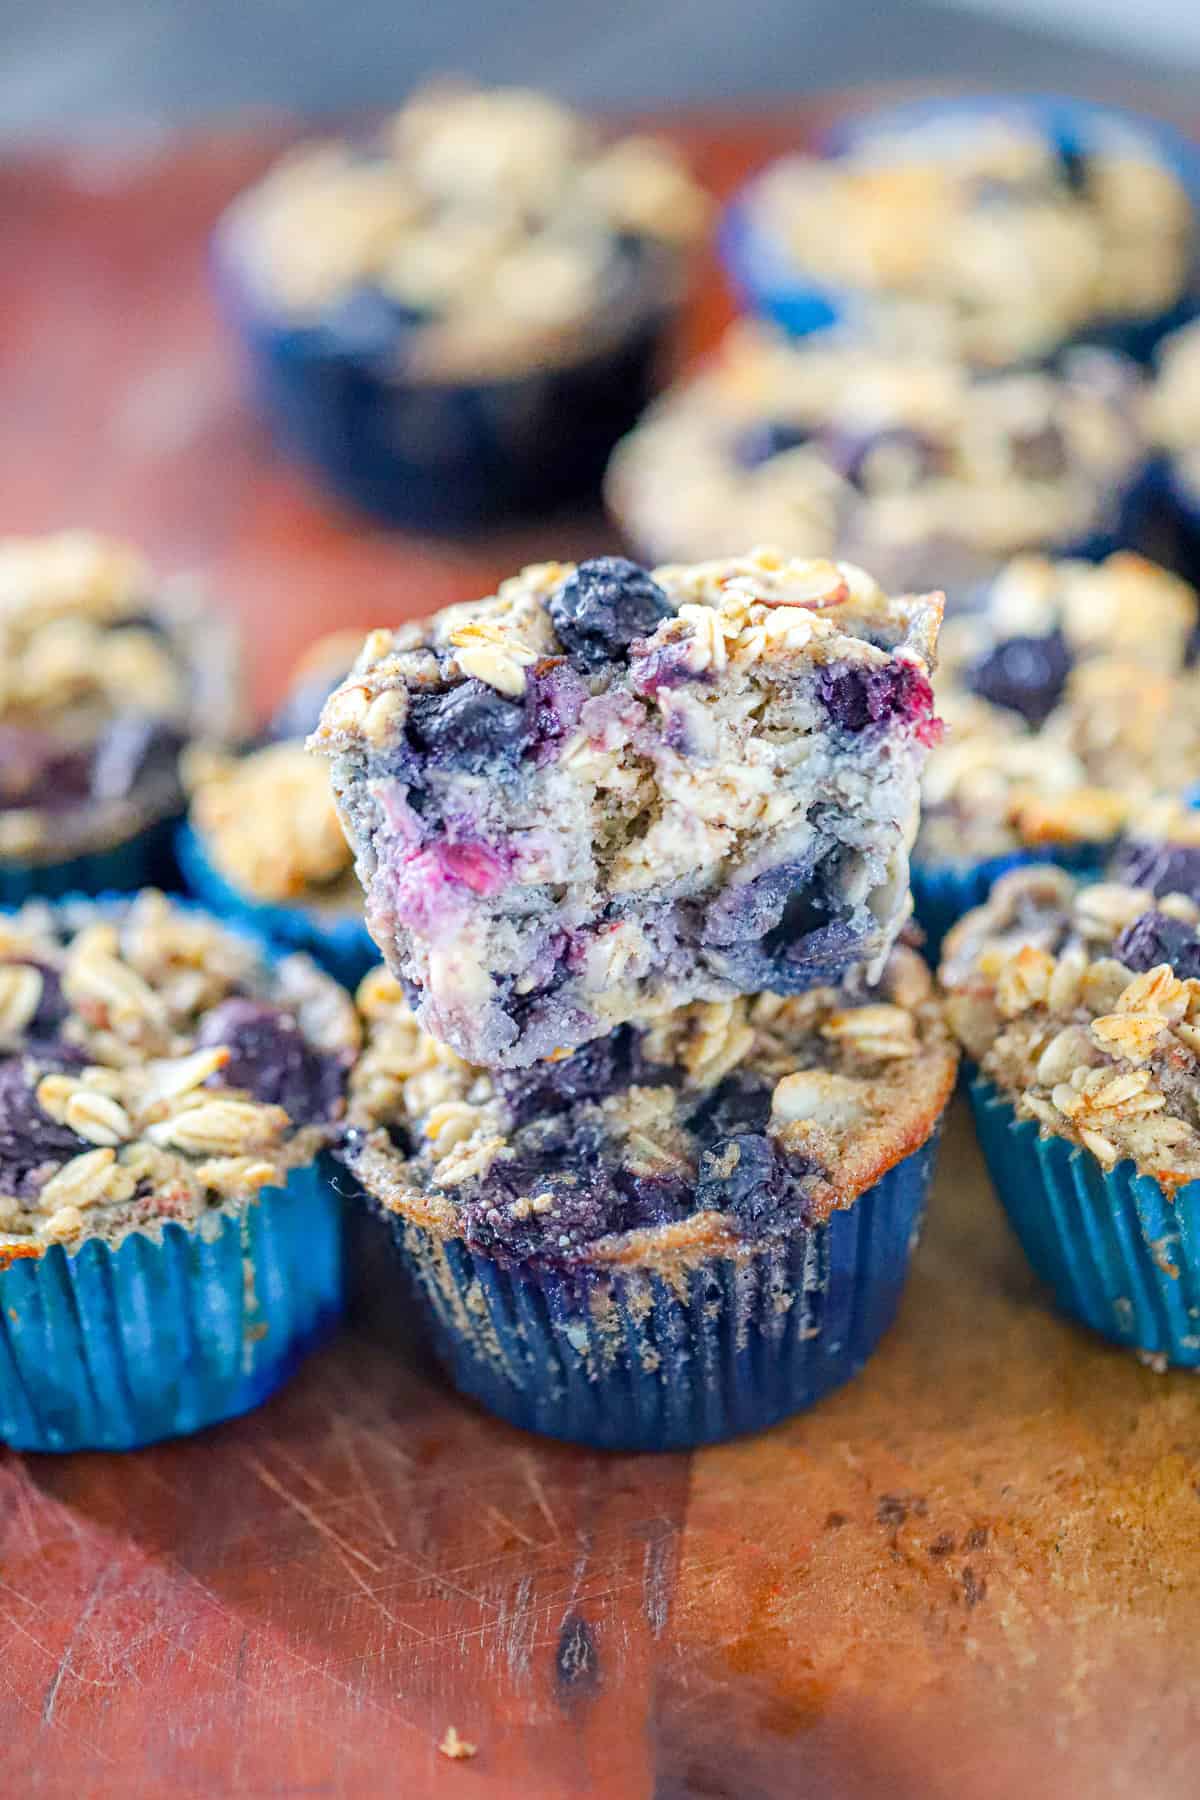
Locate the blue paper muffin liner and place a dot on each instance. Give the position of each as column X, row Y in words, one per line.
column 1119, row 1253
column 767, row 283
column 175, row 1328
column 447, row 456
column 630, row 1358
column 943, row 892
column 146, row 860
column 342, row 946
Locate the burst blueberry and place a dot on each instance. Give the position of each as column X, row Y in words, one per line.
column 603, row 607
column 272, row 1059
column 1156, row 938
column 1163, row 868
column 468, row 726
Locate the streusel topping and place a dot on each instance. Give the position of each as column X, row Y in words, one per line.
column 153, row 1067
column 101, row 681
column 494, row 224
column 909, row 465
column 1071, row 702
column 756, row 1110
column 269, row 825
column 1082, row 1004
column 984, row 235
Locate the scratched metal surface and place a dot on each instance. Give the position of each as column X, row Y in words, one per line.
column 975, row 1574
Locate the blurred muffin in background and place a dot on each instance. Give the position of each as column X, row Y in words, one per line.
column 911, row 465
column 1072, row 706
column 1001, row 227
column 1175, row 428
column 263, row 845
column 456, row 319
column 325, row 664
column 105, row 677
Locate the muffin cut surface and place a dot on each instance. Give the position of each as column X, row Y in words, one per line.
column 599, row 794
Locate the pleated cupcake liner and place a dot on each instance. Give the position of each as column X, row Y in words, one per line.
column 342, row 946
column 440, row 456
column 1119, row 1253
column 943, row 892
column 767, row 283
column 175, row 1328
column 146, row 860
column 631, row 1358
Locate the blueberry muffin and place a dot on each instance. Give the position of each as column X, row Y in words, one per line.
column 458, row 318
column 910, row 465
column 599, row 790
column 263, row 844
column 169, row 1242
column 686, row 1229
column 1175, row 426
column 104, row 677
column 997, row 228
column 1071, row 702
column 1080, row 1007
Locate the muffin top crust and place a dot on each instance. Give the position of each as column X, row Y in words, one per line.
column 908, row 464
column 1071, row 702
column 102, row 682
column 490, row 229
column 153, row 1066
column 1175, row 406
column 1081, row 1003
column 983, row 233
column 719, row 1123
column 269, row 826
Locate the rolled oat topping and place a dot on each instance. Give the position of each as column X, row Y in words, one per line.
column 102, row 680
column 600, row 791
column 757, row 1112
column 490, row 228
column 1175, row 406
column 269, row 825
column 1082, row 1004
column 154, row 1067
column 1071, row 704
column 904, row 463
column 983, row 234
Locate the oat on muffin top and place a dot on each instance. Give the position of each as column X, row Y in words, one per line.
column 268, row 824
column 1081, row 1003
column 908, row 464
column 721, row 1122
column 1071, row 701
column 983, row 233
column 493, row 228
column 154, row 1066
column 103, row 679
column 1175, row 406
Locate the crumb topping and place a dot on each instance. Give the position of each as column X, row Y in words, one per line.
column 983, row 233
column 903, row 462
column 269, row 825
column 757, row 1110
column 101, row 680
column 1082, row 1004
column 1071, row 703
column 152, row 1067
column 487, row 226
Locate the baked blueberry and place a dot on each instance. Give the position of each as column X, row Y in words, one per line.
column 1025, row 674
column 1164, row 868
column 468, row 727
column 1156, row 938
column 603, row 606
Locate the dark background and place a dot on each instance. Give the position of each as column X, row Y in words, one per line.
column 70, row 66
